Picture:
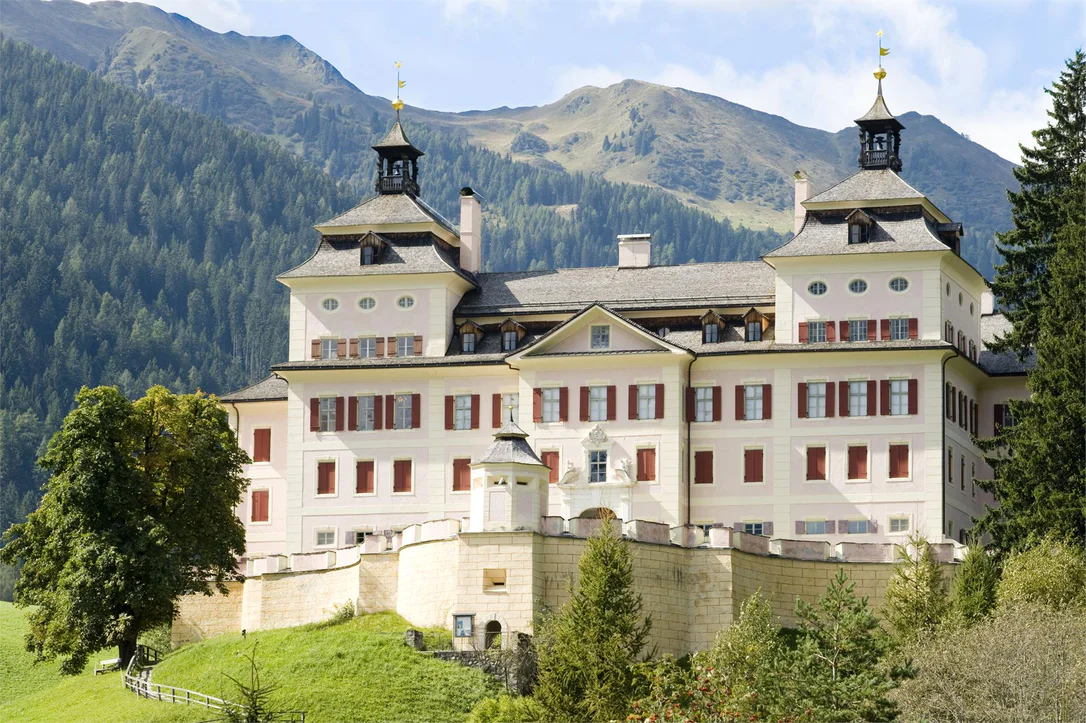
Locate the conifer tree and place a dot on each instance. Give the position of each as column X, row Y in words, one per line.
column 588, row 649
column 975, row 586
column 916, row 598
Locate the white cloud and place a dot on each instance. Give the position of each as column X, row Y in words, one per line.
column 219, row 15
column 576, row 76
column 461, row 10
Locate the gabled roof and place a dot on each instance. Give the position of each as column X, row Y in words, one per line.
column 867, row 185
column 406, row 254
column 393, row 208
column 510, row 446
column 271, row 389
column 826, row 235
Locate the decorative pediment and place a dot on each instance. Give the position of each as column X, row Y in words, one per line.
column 470, row 327
column 859, row 216
column 596, row 437
column 584, row 334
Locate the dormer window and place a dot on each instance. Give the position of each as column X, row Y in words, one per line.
column 467, row 342
column 755, row 323
column 754, row 331
column 512, row 333
column 711, row 327
column 509, row 340
column 368, row 255
column 371, row 246
column 859, row 227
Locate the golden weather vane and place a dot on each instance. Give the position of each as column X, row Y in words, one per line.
column 883, row 52
column 397, row 104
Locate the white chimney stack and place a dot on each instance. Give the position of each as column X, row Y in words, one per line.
column 803, row 192
column 987, row 302
column 471, row 230
column 634, row 250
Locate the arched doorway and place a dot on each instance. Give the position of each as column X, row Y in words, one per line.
column 493, row 635
column 598, row 513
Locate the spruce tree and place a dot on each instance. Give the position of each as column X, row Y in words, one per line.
column 588, row 649
column 975, row 587
column 1039, row 208
column 916, row 598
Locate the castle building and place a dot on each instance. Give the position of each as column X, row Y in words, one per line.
column 829, row 391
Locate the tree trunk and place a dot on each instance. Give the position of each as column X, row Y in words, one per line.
column 126, row 648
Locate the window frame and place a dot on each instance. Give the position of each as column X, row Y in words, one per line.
column 509, row 340
column 369, row 255
column 452, row 485
column 405, row 302
column 332, row 344
column 859, row 282
column 392, row 485
column 599, row 336
column 405, row 345
column 756, row 328
column 399, row 410
column 467, row 342
column 703, row 404
column 807, row 447
column 363, row 308
column 753, row 402
column 318, row 531
column 259, row 429
column 858, row 324
column 866, row 527
column 890, row 285
column 814, row 284
column 253, row 491
column 753, row 528
column 326, row 414
column 849, row 446
column 462, row 408
column 899, row 518
column 365, row 494
column 899, row 328
column 552, row 401
column 330, row 301
column 901, row 398
column 597, row 466
column 369, row 345
column 710, row 333
column 646, row 401
column 855, row 399
column 597, row 403
column 820, row 326
column 374, row 400
column 811, row 398
column 754, row 448
column 807, row 527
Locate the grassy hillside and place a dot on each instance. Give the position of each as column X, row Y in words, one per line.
column 354, row 671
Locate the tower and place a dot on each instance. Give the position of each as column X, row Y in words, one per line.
column 397, row 163
column 880, row 131
column 508, row 484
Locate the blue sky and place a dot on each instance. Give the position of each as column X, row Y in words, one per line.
column 979, row 66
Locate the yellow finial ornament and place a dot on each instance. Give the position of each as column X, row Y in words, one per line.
column 883, row 52
column 397, row 105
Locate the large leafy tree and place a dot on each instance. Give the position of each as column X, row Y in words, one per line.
column 138, row 511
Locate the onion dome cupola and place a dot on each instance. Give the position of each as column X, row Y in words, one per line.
column 880, row 131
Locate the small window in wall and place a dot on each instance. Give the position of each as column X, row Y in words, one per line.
column 816, row 400
column 601, row 336
column 367, row 347
column 899, row 284
column 899, row 524
column 405, row 302
column 857, row 399
column 856, row 527
column 703, row 404
column 330, row 304
column 366, row 409
column 816, row 332
column 597, row 465
column 597, row 404
column 753, row 401
column 857, row 462
column 326, row 538
column 857, row 286
column 899, row 461
column 646, row 401
column 494, row 579
column 646, row 464
column 492, row 637
column 753, row 465
column 814, row 527
column 754, row 331
column 404, row 411
column 329, row 348
column 816, row 464
column 552, row 404
column 461, row 472
column 973, row 478
column 509, row 340
column 462, row 411
column 753, row 528
column 857, row 330
column 327, row 419
column 259, row 506
column 899, row 329
column 405, row 346
column 817, row 288
column 858, row 233
column 368, row 255
column 367, row 303
column 401, row 475
column 899, row 396
column 467, row 342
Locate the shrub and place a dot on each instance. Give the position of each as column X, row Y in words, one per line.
column 975, row 587
column 160, row 638
column 916, row 598
column 507, row 709
column 1052, row 573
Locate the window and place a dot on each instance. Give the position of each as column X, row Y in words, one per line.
column 552, row 404
column 367, row 255
column 367, row 303
column 899, row 524
column 948, row 332
column 754, row 331
column 899, row 461
column 816, row 464
column 326, row 478
column 961, row 475
column 646, row 464
column 960, row 298
column 858, row 233
column 710, row 333
column 510, row 405
column 899, row 329
column 401, row 476
column 597, row 465
column 970, row 308
column 816, row 400
column 461, row 474
column 703, row 404
column 857, row 462
column 857, row 286
column 405, row 346
column 550, row 460
column 662, row 332
column 753, row 467
column 261, row 445
column 752, row 401
column 949, row 465
column 948, row 289
column 405, row 302
column 816, row 331
column 597, row 404
column 258, row 507
column 856, row 527
column 753, row 528
column 973, row 477
column 816, row 288
column 367, row 347
column 857, row 399
column 366, row 413
column 327, row 414
column 814, row 527
column 330, row 304
column 326, row 538
column 467, row 342
column 899, row 284
column 494, row 580
column 703, row 467
column 329, row 348
column 462, row 411
column 899, row 396
column 857, row 330
column 509, row 340
column 403, row 412
column 646, row 401
column 601, row 336
column 363, row 477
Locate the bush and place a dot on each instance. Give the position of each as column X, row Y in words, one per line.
column 975, row 587
column 160, row 638
column 1052, row 573
column 507, row 709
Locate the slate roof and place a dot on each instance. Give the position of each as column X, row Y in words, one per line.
column 991, row 326
column 268, row 390
column 868, row 185
column 396, row 138
column 391, row 362
column 416, row 254
column 510, row 445
column 388, row 209
column 879, row 111
column 824, row 235
column 744, row 283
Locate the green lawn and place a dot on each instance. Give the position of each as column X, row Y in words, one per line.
column 359, row 670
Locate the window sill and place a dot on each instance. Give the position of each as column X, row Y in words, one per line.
column 364, row 494
column 900, row 479
column 263, row 523
column 263, row 462
column 496, row 591
column 459, row 492
column 860, row 481
column 761, row 483
column 325, row 496
column 816, row 481
column 403, row 494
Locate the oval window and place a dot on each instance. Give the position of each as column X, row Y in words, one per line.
column 367, row 303
column 817, row 288
column 663, row 331
column 899, row 284
column 330, row 304
column 960, row 298
column 857, row 286
column 970, row 308
column 948, row 289
column 405, row 302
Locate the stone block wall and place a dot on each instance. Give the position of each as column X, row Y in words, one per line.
column 205, row 616
column 427, row 582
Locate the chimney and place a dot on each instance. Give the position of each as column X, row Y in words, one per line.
column 634, row 250
column 987, row 301
column 803, row 192
column 471, row 230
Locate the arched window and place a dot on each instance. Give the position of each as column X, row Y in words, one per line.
column 492, row 635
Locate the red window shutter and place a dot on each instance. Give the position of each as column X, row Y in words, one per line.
column 450, row 413
column 363, row 479
column 401, row 475
column 352, row 413
column 659, row 401
column 390, row 411
column 843, row 327
column 953, row 404
column 801, row 527
column 416, row 411
column 380, row 346
column 843, row 388
column 914, row 396
column 691, row 404
column 997, row 414
column 646, row 465
column 339, row 414
column 803, row 332
column 391, row 346
column 475, row 411
column 537, row 405
column 884, row 397
column 816, row 463
column 857, row 462
column 341, row 350
column 884, row 329
column 378, row 416
column 612, row 403
column 914, row 328
column 418, row 346
column 259, row 506
column 326, row 478
column 633, row 401
column 496, row 411
column 752, row 459
column 830, row 331
column 584, row 404
column 872, row 329
column 353, row 353
column 899, row 461
column 261, row 445
column 550, row 459
column 461, row 475
column 831, row 398
column 315, row 349
column 703, row 467
column 801, row 403
column 871, row 398
column 740, row 403
column 767, row 401
column 563, row 404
